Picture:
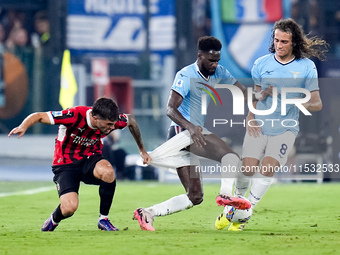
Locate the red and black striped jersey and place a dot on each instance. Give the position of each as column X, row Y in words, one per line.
column 77, row 138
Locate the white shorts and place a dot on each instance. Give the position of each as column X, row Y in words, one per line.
column 277, row 147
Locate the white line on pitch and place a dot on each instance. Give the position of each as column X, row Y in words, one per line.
column 27, row 192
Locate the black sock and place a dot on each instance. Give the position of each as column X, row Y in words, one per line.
column 58, row 216
column 106, row 193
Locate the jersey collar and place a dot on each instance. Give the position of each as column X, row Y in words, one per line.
column 88, row 118
column 199, row 72
column 284, row 63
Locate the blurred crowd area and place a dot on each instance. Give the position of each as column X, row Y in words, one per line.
column 35, row 84
column 20, row 31
column 320, row 18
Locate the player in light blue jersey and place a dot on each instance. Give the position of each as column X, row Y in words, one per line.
column 189, row 84
column 269, row 138
column 184, row 109
column 297, row 73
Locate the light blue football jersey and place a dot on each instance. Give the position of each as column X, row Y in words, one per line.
column 188, row 83
column 299, row 73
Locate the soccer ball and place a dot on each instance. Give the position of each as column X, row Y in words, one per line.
column 236, row 215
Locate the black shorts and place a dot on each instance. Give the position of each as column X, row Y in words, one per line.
column 68, row 177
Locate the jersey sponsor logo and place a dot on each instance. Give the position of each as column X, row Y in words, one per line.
column 57, row 114
column 81, row 129
column 269, row 72
column 83, row 141
column 295, row 74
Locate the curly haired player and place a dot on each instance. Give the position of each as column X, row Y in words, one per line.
column 288, row 66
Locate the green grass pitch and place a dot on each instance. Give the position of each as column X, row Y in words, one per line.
column 299, row 219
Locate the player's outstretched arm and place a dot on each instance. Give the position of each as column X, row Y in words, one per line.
column 134, row 129
column 29, row 121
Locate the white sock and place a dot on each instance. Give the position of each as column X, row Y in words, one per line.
column 173, row 205
column 229, row 167
column 258, row 188
column 101, row 217
column 242, row 183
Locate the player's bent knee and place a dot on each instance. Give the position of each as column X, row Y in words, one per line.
column 196, row 199
column 104, row 171
column 109, row 176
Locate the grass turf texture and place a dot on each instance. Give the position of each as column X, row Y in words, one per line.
column 291, row 219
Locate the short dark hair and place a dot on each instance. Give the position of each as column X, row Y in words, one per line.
column 105, row 108
column 41, row 16
column 303, row 47
column 207, row 43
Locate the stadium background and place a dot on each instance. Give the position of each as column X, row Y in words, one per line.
column 132, row 48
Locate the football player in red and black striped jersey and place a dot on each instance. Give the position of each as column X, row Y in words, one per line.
column 78, row 156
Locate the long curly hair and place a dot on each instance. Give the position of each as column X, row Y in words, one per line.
column 303, row 47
